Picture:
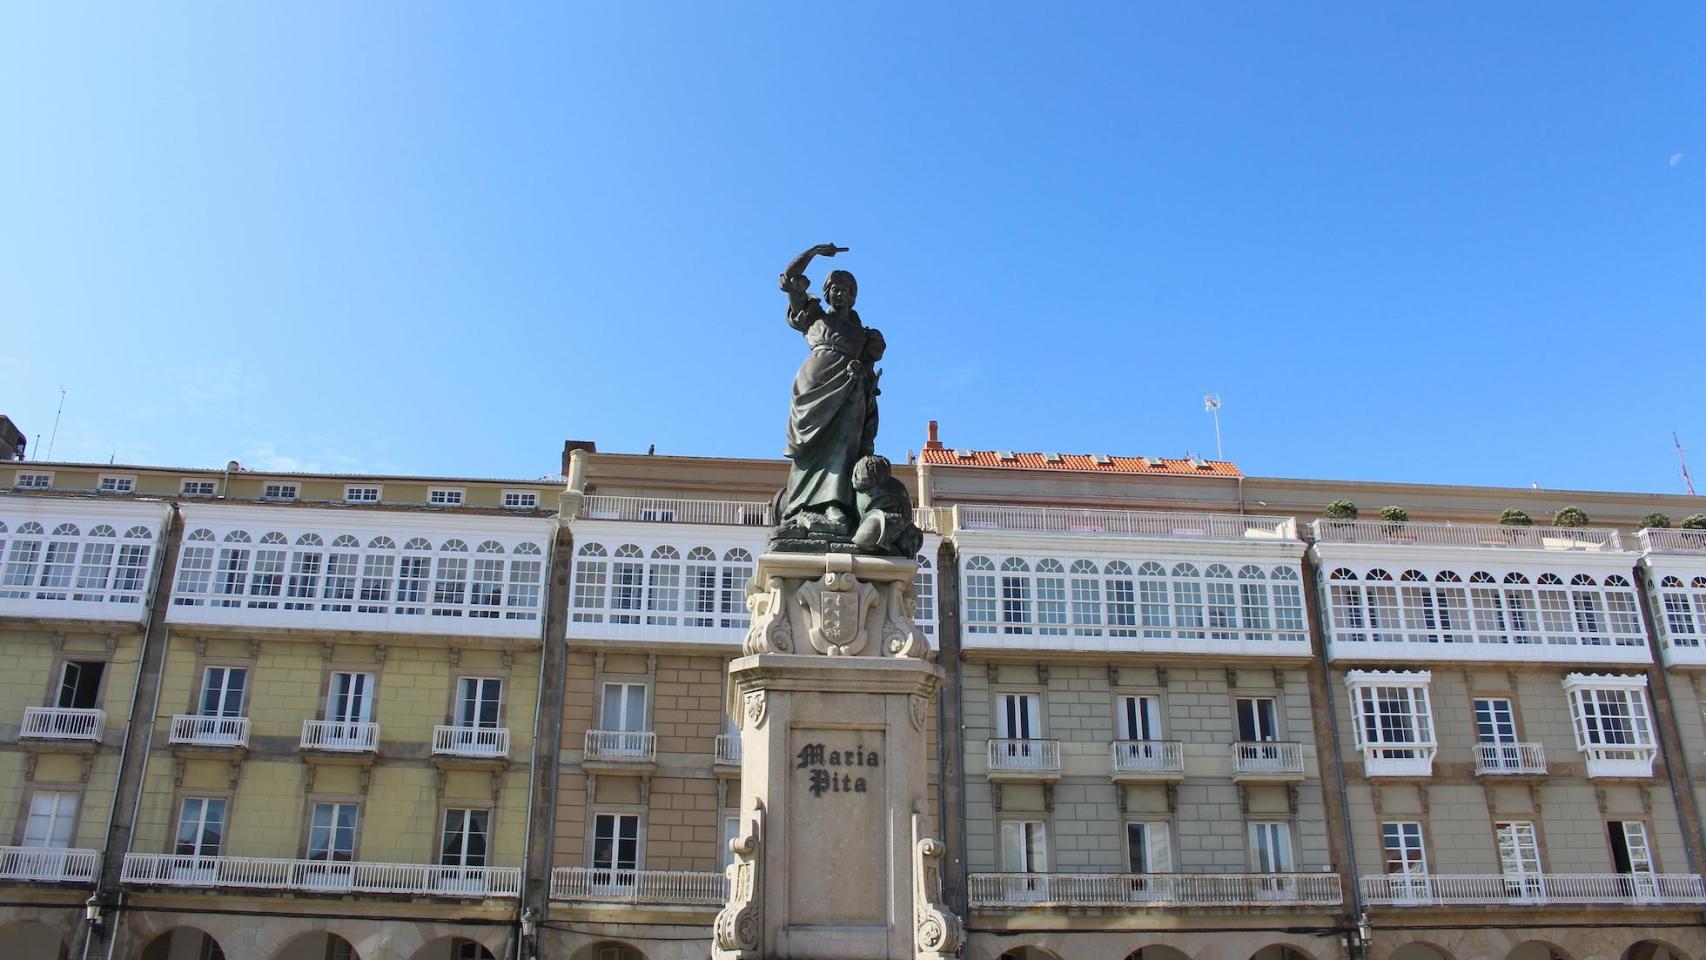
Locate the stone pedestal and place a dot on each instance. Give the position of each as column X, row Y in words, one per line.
column 833, row 862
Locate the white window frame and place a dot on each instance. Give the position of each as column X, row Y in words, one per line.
column 1019, row 715
column 1405, row 856
column 624, row 695
column 55, row 827
column 33, row 479
column 1156, row 843
column 223, row 692
column 1270, row 846
column 116, row 483
column 201, row 821
column 1371, row 693
column 465, row 832
column 1609, row 751
column 1024, row 846
column 1145, row 710
column 333, row 809
column 447, row 496
column 526, row 499
column 364, row 493
column 276, row 490
column 185, row 483
column 620, row 872
column 480, row 687
column 1519, row 859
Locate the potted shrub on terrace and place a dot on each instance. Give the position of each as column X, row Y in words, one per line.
column 1392, row 522
column 1657, row 521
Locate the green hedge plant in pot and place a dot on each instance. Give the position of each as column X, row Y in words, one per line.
column 1341, row 509
column 1570, row 517
column 1655, row 521
column 1694, row 521
column 1515, row 518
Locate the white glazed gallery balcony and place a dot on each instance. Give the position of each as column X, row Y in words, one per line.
column 198, row 731
column 1424, row 890
column 340, row 736
column 622, row 746
column 1510, row 759
column 88, row 560
column 737, row 513
column 1398, row 760
column 1163, row 524
column 478, row 743
column 1267, row 760
column 1142, row 760
column 1018, row 760
column 49, row 864
column 321, row 876
column 605, row 885
column 71, row 724
column 1127, row 890
column 1631, row 761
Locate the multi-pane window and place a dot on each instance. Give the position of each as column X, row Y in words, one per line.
column 1393, row 721
column 661, row 587
column 201, row 827
column 1024, row 846
column 1018, row 716
column 477, row 701
column 1494, row 720
column 1402, row 843
column 68, row 564
column 464, row 839
column 33, row 481
column 1519, row 858
column 222, row 691
column 111, row 483
column 52, row 814
column 616, row 844
column 1610, row 717
column 1117, row 598
column 445, row 496
column 1684, row 604
column 196, row 488
column 331, row 831
column 496, row 581
column 520, row 499
column 1629, row 850
column 349, row 701
column 279, row 491
column 1486, row 607
column 363, row 494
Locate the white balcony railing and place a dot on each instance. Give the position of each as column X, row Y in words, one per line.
column 1489, row 535
column 1655, row 540
column 1507, row 758
column 198, row 731
column 1024, row 756
column 1125, row 890
column 62, row 723
column 622, row 746
column 478, row 742
column 1633, row 760
column 49, row 864
column 728, row 749
column 321, row 876
column 1148, row 756
column 340, row 736
column 659, row 510
column 1124, row 523
column 1412, row 890
column 604, row 885
column 1270, row 757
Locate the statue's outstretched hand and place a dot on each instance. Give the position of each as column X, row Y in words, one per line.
column 828, row 250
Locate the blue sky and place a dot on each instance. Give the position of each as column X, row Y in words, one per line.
column 1428, row 242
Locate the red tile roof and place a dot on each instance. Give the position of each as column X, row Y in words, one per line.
column 1079, row 462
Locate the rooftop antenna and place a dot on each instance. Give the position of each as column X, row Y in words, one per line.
column 55, row 435
column 1682, row 458
column 1211, row 404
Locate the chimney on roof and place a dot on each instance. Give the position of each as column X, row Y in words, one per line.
column 570, row 446
column 934, row 441
column 12, row 441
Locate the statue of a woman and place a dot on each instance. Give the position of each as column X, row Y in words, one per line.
column 832, row 421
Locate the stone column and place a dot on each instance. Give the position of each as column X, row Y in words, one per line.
column 832, row 697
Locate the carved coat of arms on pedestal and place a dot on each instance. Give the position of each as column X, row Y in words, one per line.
column 838, row 608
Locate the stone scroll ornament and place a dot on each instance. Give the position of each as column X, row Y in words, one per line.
column 840, row 497
column 738, row 926
column 771, row 631
column 937, row 932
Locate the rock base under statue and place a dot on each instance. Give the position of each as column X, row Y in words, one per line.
column 833, row 861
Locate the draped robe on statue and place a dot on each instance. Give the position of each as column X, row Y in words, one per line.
column 832, row 420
